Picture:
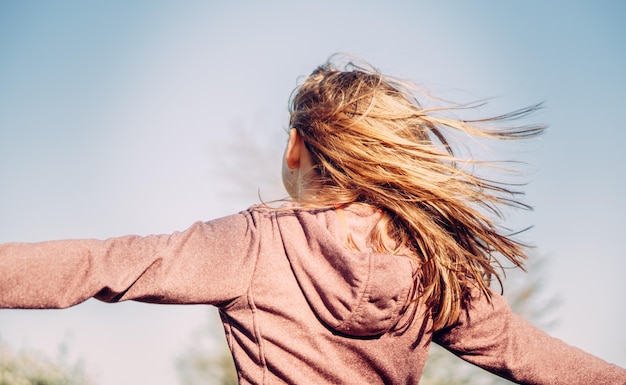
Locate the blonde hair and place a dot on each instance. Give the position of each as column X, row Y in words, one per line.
column 373, row 142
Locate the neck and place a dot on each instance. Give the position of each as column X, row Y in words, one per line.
column 308, row 185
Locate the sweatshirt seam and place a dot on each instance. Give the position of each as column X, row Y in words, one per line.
column 258, row 336
column 360, row 298
column 250, row 298
column 252, row 306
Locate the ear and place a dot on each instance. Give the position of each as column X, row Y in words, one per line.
column 294, row 149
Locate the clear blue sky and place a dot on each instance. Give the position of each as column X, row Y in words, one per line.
column 114, row 116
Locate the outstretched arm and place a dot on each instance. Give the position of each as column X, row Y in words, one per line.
column 494, row 338
column 210, row 262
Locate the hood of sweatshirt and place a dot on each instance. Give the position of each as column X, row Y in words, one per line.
column 353, row 290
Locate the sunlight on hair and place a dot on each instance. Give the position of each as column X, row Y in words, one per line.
column 373, row 142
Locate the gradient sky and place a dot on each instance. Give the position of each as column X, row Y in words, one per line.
column 117, row 117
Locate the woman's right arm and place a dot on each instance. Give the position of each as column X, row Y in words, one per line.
column 211, row 262
column 491, row 336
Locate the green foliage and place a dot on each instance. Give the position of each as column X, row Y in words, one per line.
column 444, row 368
column 207, row 361
column 31, row 368
column 198, row 368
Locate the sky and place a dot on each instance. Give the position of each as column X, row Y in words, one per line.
column 133, row 117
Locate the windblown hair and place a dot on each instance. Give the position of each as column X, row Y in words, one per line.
column 373, row 142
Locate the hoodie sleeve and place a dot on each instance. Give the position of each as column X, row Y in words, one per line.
column 493, row 337
column 209, row 263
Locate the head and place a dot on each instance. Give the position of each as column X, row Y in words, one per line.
column 357, row 135
column 353, row 127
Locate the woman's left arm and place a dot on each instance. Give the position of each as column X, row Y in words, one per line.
column 210, row 262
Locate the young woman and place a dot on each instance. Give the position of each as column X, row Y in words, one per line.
column 387, row 245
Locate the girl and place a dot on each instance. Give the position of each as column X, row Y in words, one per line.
column 387, row 245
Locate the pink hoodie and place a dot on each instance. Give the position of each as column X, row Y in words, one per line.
column 298, row 305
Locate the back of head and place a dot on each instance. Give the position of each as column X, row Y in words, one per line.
column 352, row 119
column 373, row 142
